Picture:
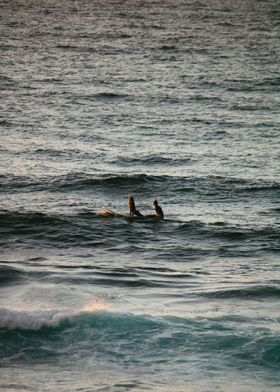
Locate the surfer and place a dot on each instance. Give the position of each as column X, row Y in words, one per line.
column 158, row 209
column 132, row 208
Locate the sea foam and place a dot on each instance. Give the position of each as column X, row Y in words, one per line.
column 35, row 319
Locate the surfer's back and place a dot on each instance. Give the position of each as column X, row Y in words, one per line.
column 132, row 208
column 158, row 210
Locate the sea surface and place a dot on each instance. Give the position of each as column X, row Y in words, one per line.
column 174, row 100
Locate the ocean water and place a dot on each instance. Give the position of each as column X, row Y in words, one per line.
column 175, row 100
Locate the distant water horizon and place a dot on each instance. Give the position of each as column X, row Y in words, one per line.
column 170, row 100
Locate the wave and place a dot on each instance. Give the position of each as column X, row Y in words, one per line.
column 7, row 83
column 249, row 108
column 36, row 226
column 13, row 183
column 15, row 276
column 150, row 160
column 87, row 229
column 209, row 185
column 75, row 181
column 257, row 292
column 228, row 232
column 110, row 95
column 37, row 319
column 9, row 275
column 113, row 277
column 18, row 220
column 269, row 82
column 79, row 49
column 95, row 332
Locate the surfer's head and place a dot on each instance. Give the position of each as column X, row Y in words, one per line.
column 155, row 203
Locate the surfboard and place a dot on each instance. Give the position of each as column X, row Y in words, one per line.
column 109, row 213
column 106, row 213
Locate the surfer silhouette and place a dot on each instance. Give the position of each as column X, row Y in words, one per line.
column 158, row 209
column 132, row 208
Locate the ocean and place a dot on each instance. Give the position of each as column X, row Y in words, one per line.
column 174, row 100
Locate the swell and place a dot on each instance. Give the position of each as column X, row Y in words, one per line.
column 8, row 218
column 230, row 233
column 208, row 185
column 40, row 269
column 14, row 276
column 150, row 160
column 87, row 229
column 10, row 275
column 75, row 181
column 256, row 292
column 94, row 332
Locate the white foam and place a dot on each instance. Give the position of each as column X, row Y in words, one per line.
column 35, row 318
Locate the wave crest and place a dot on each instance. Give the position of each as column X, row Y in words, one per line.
column 34, row 319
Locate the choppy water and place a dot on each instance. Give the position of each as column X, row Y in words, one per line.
column 175, row 100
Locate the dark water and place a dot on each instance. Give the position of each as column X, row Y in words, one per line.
column 174, row 100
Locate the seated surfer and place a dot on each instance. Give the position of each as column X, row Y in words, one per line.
column 158, row 209
column 132, row 208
